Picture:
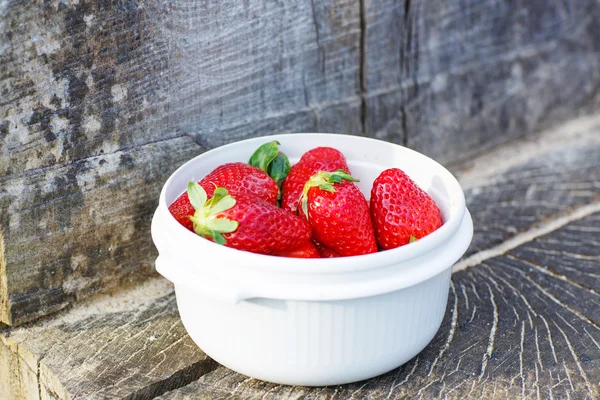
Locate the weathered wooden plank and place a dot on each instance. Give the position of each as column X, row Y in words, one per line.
column 75, row 229
column 263, row 67
column 90, row 87
column 383, row 74
column 83, row 79
column 18, row 373
column 555, row 275
column 514, row 328
column 131, row 345
column 533, row 191
column 477, row 73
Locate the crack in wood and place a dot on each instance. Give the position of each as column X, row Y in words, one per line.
column 577, row 362
column 540, row 229
column 548, row 271
column 492, row 337
column 557, row 301
column 4, row 298
column 362, row 66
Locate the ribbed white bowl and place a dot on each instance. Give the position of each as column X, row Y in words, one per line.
column 318, row 321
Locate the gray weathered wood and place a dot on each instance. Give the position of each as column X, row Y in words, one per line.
column 75, row 229
column 537, row 190
column 459, row 76
column 523, row 325
column 101, row 101
column 130, row 346
column 98, row 97
column 526, row 320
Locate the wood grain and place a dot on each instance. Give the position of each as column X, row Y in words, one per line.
column 128, row 346
column 534, row 191
column 466, row 75
column 523, row 325
column 103, row 100
column 76, row 229
column 85, row 83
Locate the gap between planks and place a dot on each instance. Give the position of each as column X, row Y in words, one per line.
column 541, row 229
column 4, row 304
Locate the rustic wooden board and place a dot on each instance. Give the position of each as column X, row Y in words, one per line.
column 523, row 325
column 533, row 311
column 526, row 324
column 75, row 229
column 132, row 346
column 478, row 73
column 102, row 100
column 85, row 82
column 537, row 190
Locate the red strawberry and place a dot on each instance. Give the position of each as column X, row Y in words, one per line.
column 338, row 213
column 325, row 251
column 311, row 162
column 401, row 211
column 307, row 250
column 235, row 177
column 246, row 222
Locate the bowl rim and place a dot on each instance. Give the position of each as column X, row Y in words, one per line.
column 270, row 263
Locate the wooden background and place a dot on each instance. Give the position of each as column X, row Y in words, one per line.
column 102, row 100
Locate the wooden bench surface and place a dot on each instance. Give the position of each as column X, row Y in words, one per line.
column 523, row 315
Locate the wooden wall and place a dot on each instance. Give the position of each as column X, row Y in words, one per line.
column 102, row 100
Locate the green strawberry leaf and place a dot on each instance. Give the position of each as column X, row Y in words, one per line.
column 222, row 225
column 218, row 238
column 325, row 181
column 279, row 167
column 225, row 203
column 264, row 155
column 205, row 220
column 275, row 163
column 340, row 174
column 220, row 192
column 304, row 204
column 335, row 179
column 197, row 195
column 218, row 195
column 327, row 187
column 412, row 239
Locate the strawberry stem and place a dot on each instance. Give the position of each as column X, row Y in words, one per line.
column 205, row 219
column 325, row 181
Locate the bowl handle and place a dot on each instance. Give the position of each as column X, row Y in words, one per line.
column 209, row 286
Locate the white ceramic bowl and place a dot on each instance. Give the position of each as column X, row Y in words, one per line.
column 314, row 322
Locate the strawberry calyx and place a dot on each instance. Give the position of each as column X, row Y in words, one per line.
column 275, row 163
column 268, row 158
column 205, row 220
column 325, row 181
column 412, row 239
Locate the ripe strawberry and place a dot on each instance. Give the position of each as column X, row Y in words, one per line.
column 246, row 222
column 311, row 162
column 401, row 211
column 338, row 213
column 307, row 250
column 325, row 251
column 235, row 177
